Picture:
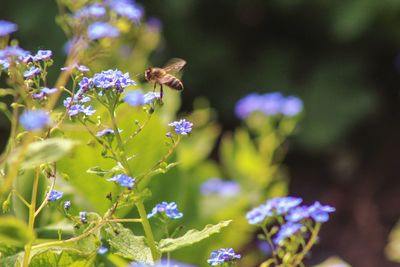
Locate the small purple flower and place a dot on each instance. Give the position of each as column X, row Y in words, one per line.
column 182, row 127
column 33, row 120
column 95, row 10
column 134, row 98
column 31, row 72
column 222, row 256
column 220, row 187
column 7, row 27
column 55, row 195
column 291, row 106
column 169, row 209
column 44, row 92
column 98, row 30
column 88, row 111
column 320, row 213
column 297, row 214
column 282, row 205
column 128, row 9
column 84, row 84
column 123, row 180
column 13, row 52
column 271, row 103
column 4, row 64
column 43, row 55
column 258, row 214
column 247, row 105
column 105, row 132
column 81, row 68
column 287, row 230
column 151, row 96
column 67, row 205
column 102, row 250
column 83, row 217
column 75, row 109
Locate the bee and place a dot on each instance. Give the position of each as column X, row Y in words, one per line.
column 162, row 76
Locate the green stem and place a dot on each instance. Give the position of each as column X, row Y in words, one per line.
column 139, row 205
column 298, row 260
column 31, row 220
column 147, row 230
column 268, row 237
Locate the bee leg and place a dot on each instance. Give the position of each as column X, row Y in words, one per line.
column 161, row 92
column 155, row 84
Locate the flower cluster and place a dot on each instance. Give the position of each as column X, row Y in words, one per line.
column 123, row 180
column 114, row 79
column 269, row 104
column 34, row 120
column 182, row 127
column 220, row 187
column 289, row 209
column 95, row 16
column 222, row 256
column 169, row 209
column 44, row 92
column 11, row 54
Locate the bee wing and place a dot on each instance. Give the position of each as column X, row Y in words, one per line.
column 174, row 65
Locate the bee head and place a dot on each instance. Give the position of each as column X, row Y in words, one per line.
column 147, row 74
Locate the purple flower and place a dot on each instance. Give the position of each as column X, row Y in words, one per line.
column 272, row 207
column 258, row 214
column 55, row 195
column 83, row 217
column 316, row 211
column 33, row 120
column 123, row 180
column 67, row 205
column 98, row 30
column 95, row 10
column 134, row 98
column 287, row 230
column 319, row 212
column 31, row 72
column 222, row 256
column 4, row 64
column 102, row 250
column 169, row 209
column 105, row 132
column 151, row 96
column 88, row 111
column 44, row 92
column 182, row 127
column 43, row 55
column 13, row 51
column 7, row 27
column 128, row 9
column 220, row 187
column 269, row 104
column 291, row 106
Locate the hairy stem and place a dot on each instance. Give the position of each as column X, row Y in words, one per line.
column 298, row 260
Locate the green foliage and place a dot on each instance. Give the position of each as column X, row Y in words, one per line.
column 45, row 151
column 14, row 232
column 62, row 257
column 191, row 237
column 127, row 245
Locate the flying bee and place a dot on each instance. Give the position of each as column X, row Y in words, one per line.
column 162, row 76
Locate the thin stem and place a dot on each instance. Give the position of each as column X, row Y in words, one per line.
column 139, row 129
column 20, row 197
column 298, row 260
column 31, row 220
column 125, row 220
column 268, row 237
column 147, row 230
column 46, row 198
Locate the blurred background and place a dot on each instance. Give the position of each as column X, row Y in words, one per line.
column 341, row 57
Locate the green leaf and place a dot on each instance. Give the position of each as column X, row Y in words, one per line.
column 191, row 237
column 98, row 171
column 14, row 232
column 12, row 261
column 125, row 244
column 62, row 257
column 45, row 151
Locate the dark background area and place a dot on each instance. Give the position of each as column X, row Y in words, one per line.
column 341, row 57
